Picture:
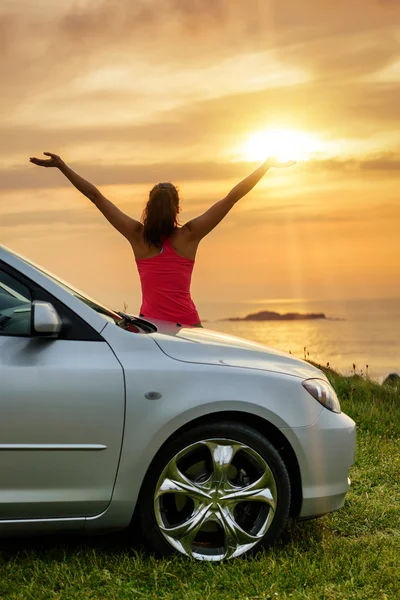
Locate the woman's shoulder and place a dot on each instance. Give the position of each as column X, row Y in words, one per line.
column 182, row 243
column 180, row 232
column 179, row 236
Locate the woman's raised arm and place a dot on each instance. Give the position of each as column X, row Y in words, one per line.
column 122, row 222
column 202, row 225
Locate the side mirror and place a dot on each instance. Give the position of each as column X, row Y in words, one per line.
column 45, row 319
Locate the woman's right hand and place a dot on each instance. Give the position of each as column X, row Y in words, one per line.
column 53, row 161
column 275, row 162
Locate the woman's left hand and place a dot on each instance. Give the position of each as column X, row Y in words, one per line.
column 53, row 161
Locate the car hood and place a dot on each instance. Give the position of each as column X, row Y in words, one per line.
column 198, row 345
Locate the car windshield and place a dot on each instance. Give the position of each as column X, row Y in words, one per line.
column 108, row 314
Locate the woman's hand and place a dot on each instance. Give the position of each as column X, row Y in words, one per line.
column 122, row 222
column 274, row 162
column 53, row 161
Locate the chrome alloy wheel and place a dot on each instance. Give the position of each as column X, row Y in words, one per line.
column 215, row 499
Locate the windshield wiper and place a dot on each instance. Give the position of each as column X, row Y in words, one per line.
column 144, row 325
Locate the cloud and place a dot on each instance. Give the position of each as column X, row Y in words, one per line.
column 64, row 44
column 153, row 81
column 260, row 24
column 389, row 162
column 214, row 126
column 284, row 213
column 32, row 177
column 75, row 218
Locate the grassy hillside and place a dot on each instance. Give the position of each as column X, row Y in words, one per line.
column 353, row 553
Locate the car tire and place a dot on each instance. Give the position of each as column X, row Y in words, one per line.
column 214, row 492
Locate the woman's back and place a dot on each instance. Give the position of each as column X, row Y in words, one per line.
column 180, row 241
column 165, row 277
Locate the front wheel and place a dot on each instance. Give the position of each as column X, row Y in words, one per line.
column 213, row 493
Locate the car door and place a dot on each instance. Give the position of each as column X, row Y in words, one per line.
column 61, row 415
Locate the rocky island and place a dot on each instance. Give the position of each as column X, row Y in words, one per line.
column 266, row 315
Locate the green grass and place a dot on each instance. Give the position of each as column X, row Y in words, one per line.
column 353, row 553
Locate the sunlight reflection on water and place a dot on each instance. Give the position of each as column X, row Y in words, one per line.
column 363, row 332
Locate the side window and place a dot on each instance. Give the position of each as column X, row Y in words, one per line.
column 15, row 307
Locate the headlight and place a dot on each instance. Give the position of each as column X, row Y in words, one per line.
column 323, row 392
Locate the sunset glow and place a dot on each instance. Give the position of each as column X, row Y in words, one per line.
column 283, row 144
column 130, row 93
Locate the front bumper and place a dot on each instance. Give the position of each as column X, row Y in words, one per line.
column 325, row 451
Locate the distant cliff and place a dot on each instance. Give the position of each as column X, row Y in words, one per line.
column 266, row 315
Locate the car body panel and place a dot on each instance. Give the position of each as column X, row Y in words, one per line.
column 212, row 348
column 62, row 408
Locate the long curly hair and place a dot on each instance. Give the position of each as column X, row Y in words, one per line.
column 160, row 215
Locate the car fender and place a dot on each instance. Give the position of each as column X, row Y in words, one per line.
column 163, row 395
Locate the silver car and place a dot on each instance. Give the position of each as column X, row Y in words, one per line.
column 205, row 443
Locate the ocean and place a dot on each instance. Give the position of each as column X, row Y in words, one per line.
column 364, row 333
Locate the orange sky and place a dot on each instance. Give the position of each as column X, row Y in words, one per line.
column 131, row 92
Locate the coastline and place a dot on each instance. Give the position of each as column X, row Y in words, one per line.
column 267, row 315
column 362, row 331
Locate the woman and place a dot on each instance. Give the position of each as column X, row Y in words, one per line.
column 164, row 251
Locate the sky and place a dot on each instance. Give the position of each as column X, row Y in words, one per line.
column 132, row 92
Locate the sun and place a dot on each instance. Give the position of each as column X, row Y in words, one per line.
column 283, row 144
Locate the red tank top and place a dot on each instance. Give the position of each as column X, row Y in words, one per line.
column 165, row 280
